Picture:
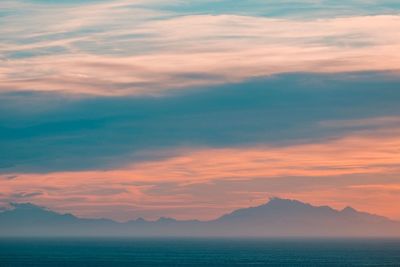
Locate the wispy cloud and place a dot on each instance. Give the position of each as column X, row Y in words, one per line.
column 125, row 47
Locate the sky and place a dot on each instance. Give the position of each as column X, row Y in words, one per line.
column 193, row 108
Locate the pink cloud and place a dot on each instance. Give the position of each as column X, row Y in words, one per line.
column 165, row 187
column 202, row 50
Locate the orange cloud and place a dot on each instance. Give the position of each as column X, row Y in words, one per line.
column 165, row 187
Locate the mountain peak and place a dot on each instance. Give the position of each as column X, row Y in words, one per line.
column 26, row 206
column 28, row 211
column 282, row 202
column 348, row 209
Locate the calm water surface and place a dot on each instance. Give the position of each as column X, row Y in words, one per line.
column 198, row 252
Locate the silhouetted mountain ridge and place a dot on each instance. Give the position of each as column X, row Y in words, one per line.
column 277, row 218
column 292, row 208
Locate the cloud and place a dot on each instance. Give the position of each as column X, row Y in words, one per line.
column 269, row 8
column 285, row 8
column 25, row 195
column 130, row 48
column 225, row 179
column 357, row 157
column 10, row 177
column 47, row 133
column 363, row 123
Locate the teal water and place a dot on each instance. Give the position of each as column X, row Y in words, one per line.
column 198, row 252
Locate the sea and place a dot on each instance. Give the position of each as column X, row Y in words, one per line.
column 198, row 252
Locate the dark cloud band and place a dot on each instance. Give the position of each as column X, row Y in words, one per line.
column 45, row 132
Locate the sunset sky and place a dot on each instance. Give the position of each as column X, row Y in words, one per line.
column 193, row 108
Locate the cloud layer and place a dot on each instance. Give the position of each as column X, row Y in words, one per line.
column 214, row 181
column 46, row 132
column 128, row 108
column 129, row 47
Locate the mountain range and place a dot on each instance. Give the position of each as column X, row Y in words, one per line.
column 277, row 218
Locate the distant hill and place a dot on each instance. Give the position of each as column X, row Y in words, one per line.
column 277, row 218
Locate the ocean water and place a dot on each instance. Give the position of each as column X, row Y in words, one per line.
column 199, row 252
